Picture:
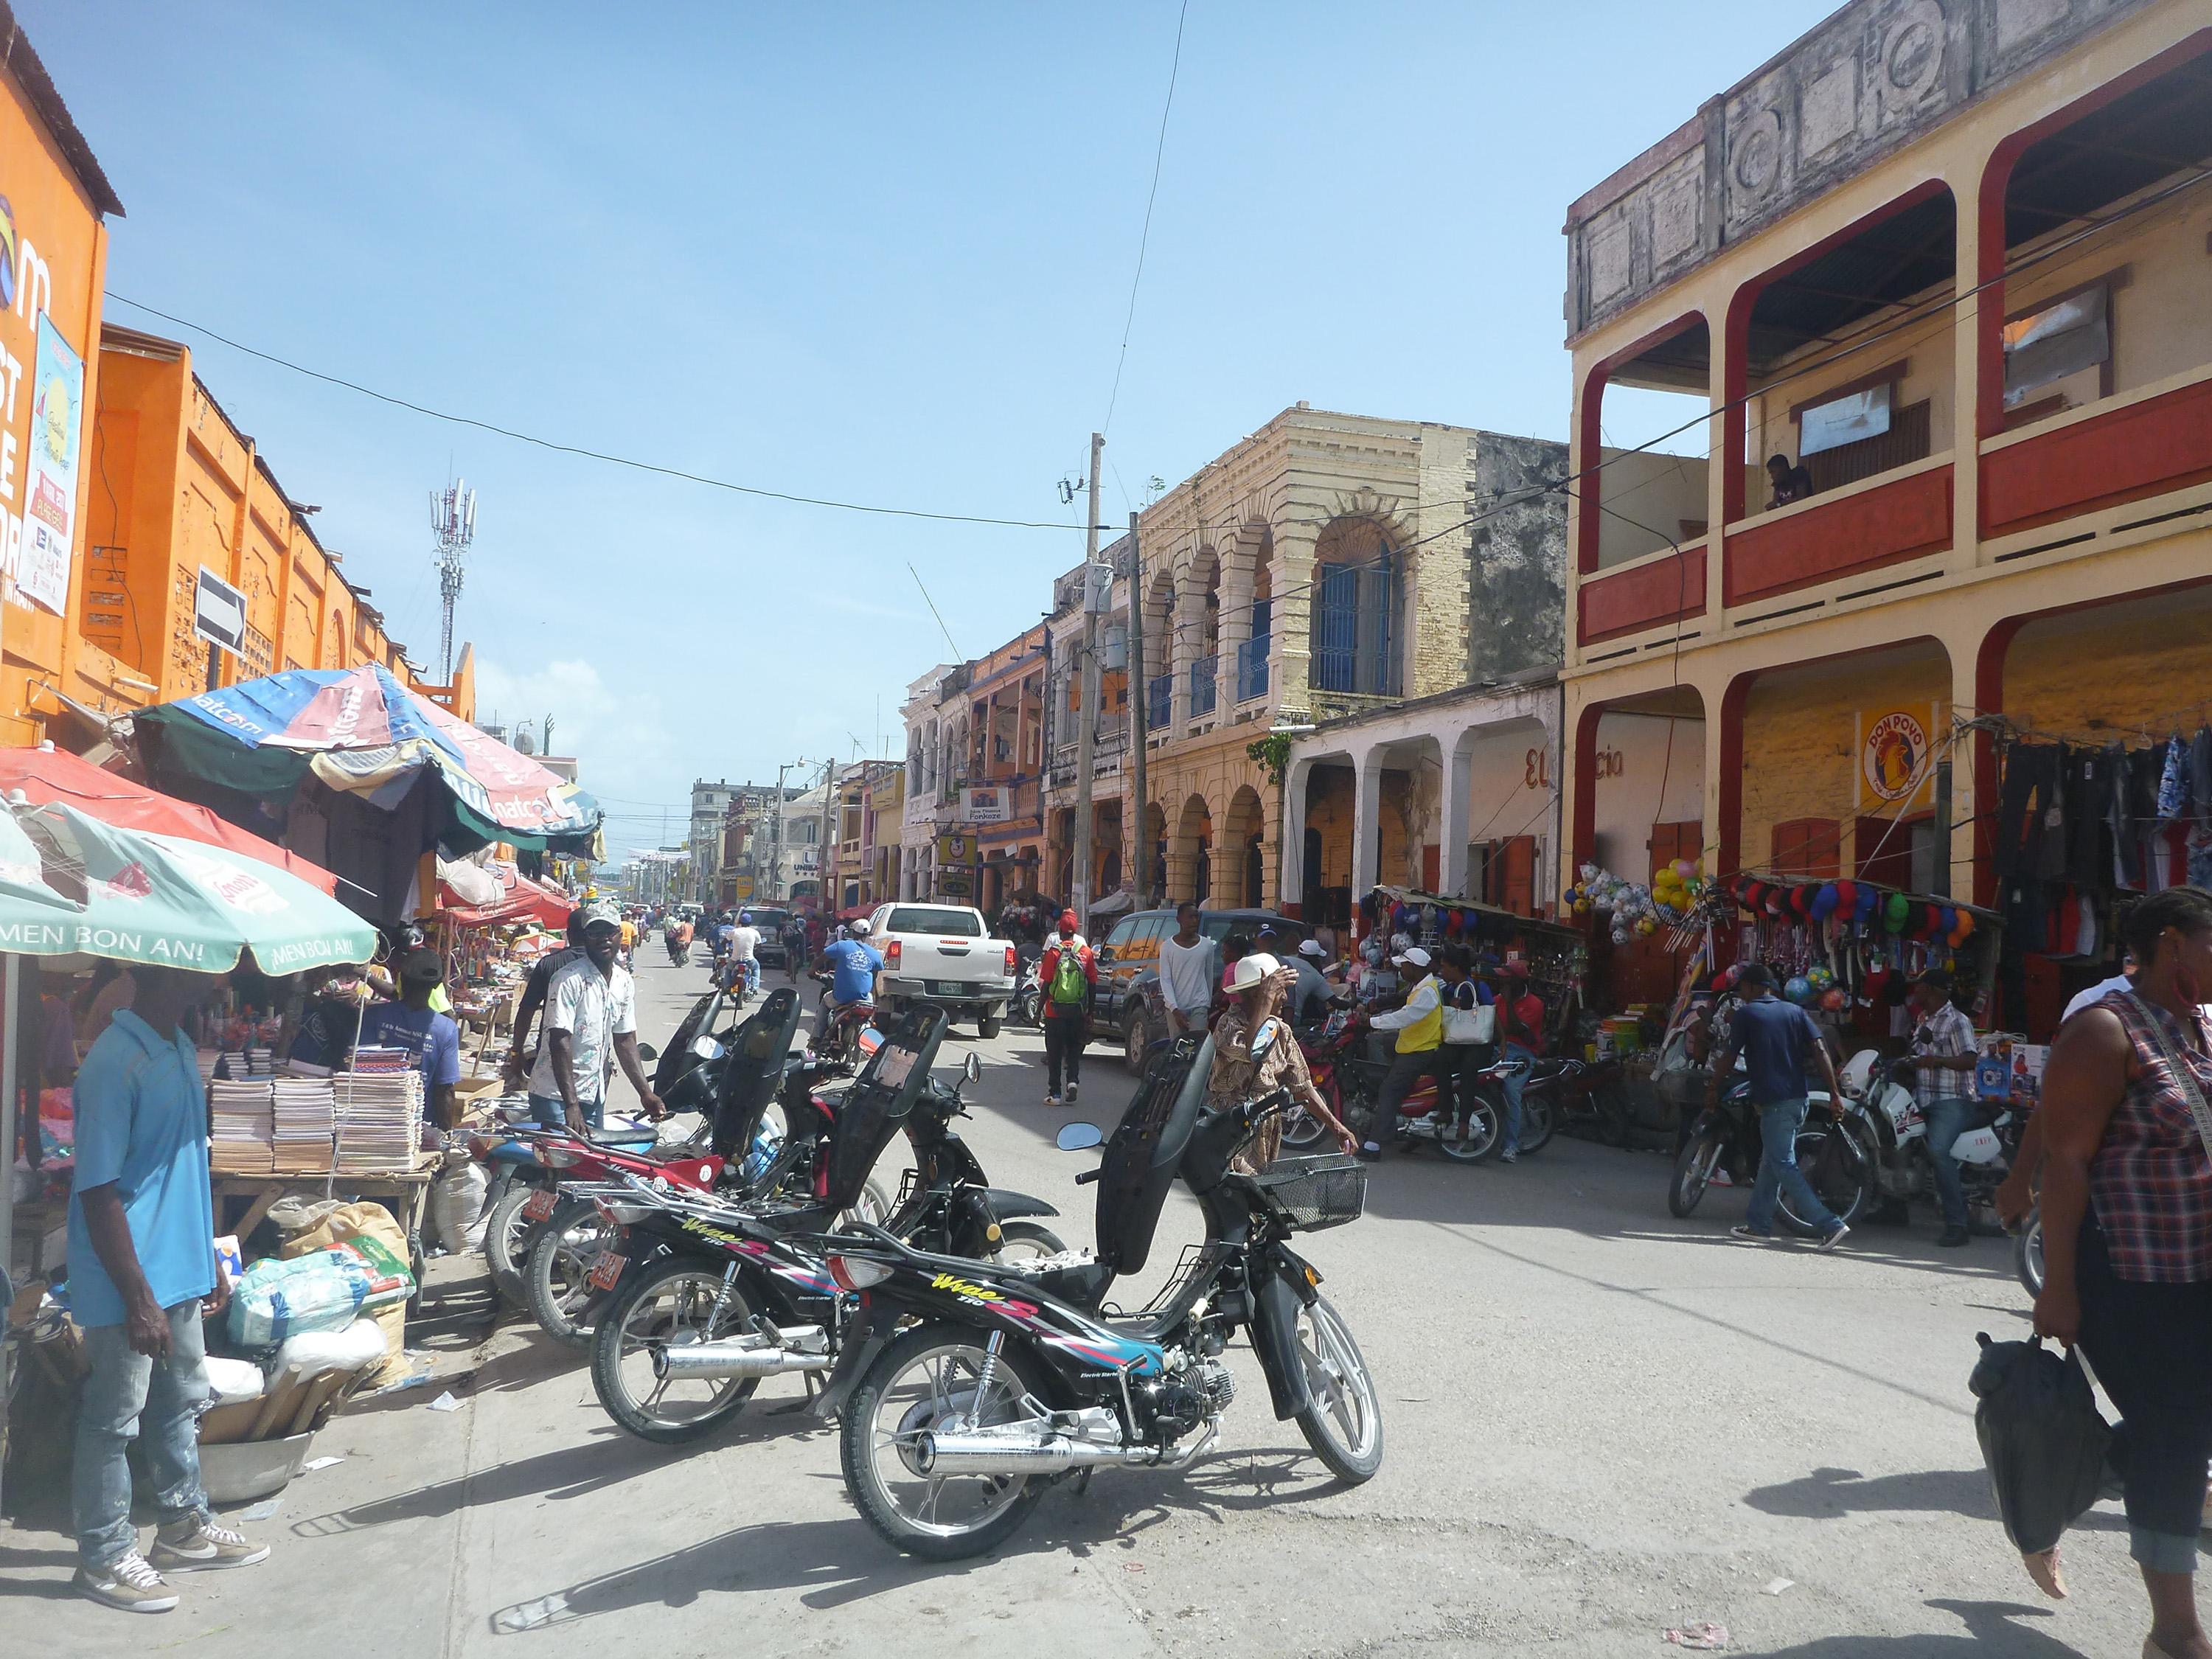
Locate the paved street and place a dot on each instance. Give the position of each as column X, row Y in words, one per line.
column 1600, row 1423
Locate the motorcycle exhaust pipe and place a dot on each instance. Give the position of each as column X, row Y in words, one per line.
column 986, row 1453
column 744, row 1356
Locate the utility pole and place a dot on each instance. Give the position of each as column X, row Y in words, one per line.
column 1087, row 669
column 822, row 856
column 1140, row 698
column 775, row 834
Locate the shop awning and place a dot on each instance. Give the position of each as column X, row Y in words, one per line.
column 474, row 895
column 363, row 733
column 49, row 775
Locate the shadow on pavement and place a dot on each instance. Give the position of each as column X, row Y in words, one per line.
column 834, row 1564
column 1827, row 1492
column 573, row 1472
column 1991, row 1627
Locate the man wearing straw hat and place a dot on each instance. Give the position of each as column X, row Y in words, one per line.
column 142, row 1268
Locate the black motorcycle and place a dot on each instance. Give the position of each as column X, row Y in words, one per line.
column 966, row 1388
column 1727, row 1137
column 732, row 1080
column 703, row 1299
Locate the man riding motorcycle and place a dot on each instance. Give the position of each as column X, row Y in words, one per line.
column 856, row 967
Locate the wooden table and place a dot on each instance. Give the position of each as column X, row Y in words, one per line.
column 407, row 1194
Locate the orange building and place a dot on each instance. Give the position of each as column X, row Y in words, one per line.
column 54, row 200
column 97, row 584
column 185, row 488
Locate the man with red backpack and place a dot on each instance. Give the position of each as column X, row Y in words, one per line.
column 1069, row 974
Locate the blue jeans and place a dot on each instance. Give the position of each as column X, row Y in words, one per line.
column 550, row 1112
column 124, row 1393
column 1513, row 1082
column 1778, row 1123
column 1946, row 1121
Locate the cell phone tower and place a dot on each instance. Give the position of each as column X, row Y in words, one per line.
column 453, row 520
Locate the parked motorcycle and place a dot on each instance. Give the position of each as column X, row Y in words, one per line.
column 1028, row 993
column 1009, row 1380
column 701, row 1298
column 753, row 1082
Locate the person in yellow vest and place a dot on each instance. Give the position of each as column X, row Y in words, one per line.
column 1420, row 1024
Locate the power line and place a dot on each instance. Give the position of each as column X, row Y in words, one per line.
column 1145, row 239
column 572, row 449
column 932, row 604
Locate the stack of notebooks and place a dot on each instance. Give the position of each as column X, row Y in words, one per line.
column 379, row 1112
column 306, row 1118
column 242, row 1126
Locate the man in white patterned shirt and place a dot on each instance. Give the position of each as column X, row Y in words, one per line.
column 1943, row 1087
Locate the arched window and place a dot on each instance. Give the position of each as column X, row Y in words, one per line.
column 1355, row 601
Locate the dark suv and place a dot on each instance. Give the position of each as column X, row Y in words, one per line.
column 1128, row 1006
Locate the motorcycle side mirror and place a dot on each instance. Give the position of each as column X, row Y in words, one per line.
column 647, row 1051
column 704, row 1047
column 1078, row 1137
column 972, row 1067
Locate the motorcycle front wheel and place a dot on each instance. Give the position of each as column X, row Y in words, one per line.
column 929, row 1379
column 2028, row 1251
column 1846, row 1188
column 1026, row 1241
column 566, row 1246
column 1342, row 1421
column 677, row 1304
column 1693, row 1172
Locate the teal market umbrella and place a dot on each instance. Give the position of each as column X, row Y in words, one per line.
column 93, row 889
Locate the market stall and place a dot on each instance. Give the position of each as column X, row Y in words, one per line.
column 1556, row 955
column 75, row 890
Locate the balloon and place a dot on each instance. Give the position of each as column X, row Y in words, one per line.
column 1683, row 869
column 1965, row 924
column 1834, row 998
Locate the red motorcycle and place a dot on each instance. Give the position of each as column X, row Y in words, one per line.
column 1468, row 1133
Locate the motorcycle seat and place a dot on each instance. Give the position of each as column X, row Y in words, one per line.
column 1080, row 1284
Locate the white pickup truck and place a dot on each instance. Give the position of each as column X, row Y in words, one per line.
column 942, row 953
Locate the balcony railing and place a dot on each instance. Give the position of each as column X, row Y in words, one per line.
column 1252, row 669
column 1202, row 687
column 1160, row 694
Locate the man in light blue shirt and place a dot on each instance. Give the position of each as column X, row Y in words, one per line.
column 141, row 1258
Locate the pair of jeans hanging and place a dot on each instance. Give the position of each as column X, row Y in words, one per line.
column 2127, row 849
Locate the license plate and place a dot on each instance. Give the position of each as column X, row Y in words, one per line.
column 945, row 987
column 606, row 1270
column 539, row 1207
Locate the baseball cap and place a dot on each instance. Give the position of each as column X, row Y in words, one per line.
column 1251, row 969
column 1414, row 954
column 1068, row 919
column 1514, row 968
column 422, row 968
column 600, row 914
column 1941, row 978
column 1311, row 947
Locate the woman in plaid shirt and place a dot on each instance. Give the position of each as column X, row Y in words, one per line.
column 2127, row 1229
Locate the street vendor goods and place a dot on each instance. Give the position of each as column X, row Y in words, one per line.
column 323, row 1290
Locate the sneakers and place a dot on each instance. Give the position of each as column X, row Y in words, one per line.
column 1830, row 1241
column 1050, row 1099
column 1954, row 1238
column 1069, row 1096
column 199, row 1545
column 131, row 1584
column 1510, row 1155
column 1369, row 1154
column 1750, row 1234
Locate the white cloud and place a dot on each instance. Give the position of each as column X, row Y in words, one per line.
column 621, row 736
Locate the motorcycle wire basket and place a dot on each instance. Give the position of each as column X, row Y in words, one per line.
column 1315, row 1193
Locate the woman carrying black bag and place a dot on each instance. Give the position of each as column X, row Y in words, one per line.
column 2127, row 1229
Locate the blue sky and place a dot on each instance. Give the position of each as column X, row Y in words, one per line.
column 879, row 253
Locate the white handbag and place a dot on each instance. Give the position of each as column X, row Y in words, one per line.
column 1467, row 1026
